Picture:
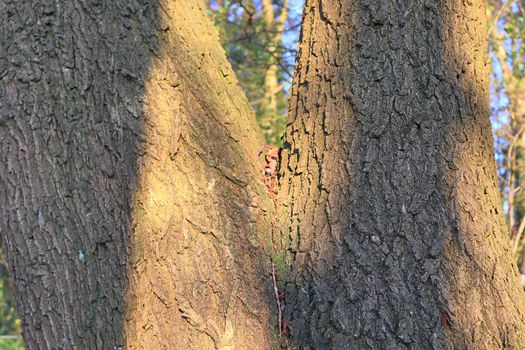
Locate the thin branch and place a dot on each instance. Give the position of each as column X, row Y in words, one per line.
column 494, row 21
column 277, row 299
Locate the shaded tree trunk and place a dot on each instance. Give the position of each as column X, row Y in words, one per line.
column 388, row 200
column 129, row 194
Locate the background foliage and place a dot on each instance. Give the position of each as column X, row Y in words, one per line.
column 506, row 33
column 9, row 322
column 260, row 38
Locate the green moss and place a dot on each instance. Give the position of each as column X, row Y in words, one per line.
column 282, row 268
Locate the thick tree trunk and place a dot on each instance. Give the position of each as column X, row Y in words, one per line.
column 388, row 199
column 129, row 196
column 198, row 234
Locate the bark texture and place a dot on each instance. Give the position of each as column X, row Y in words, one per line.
column 199, row 235
column 129, row 193
column 388, row 202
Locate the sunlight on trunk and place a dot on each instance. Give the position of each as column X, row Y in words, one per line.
column 198, row 236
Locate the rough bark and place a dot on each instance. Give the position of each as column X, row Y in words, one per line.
column 198, row 232
column 388, row 201
column 129, row 194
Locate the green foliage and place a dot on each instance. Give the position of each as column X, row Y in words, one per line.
column 247, row 39
column 272, row 124
column 12, row 344
column 282, row 269
column 9, row 322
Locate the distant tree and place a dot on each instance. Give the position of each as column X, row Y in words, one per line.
column 507, row 30
column 251, row 32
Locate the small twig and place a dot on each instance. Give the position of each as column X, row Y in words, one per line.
column 496, row 16
column 522, row 10
column 517, row 238
column 10, row 337
column 279, row 310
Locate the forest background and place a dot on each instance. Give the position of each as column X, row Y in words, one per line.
column 260, row 38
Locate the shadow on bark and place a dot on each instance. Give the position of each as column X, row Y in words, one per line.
column 395, row 237
column 134, row 214
column 70, row 133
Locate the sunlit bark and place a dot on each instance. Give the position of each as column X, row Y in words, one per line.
column 199, row 232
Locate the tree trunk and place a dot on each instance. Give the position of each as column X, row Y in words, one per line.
column 130, row 197
column 388, row 201
column 133, row 213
